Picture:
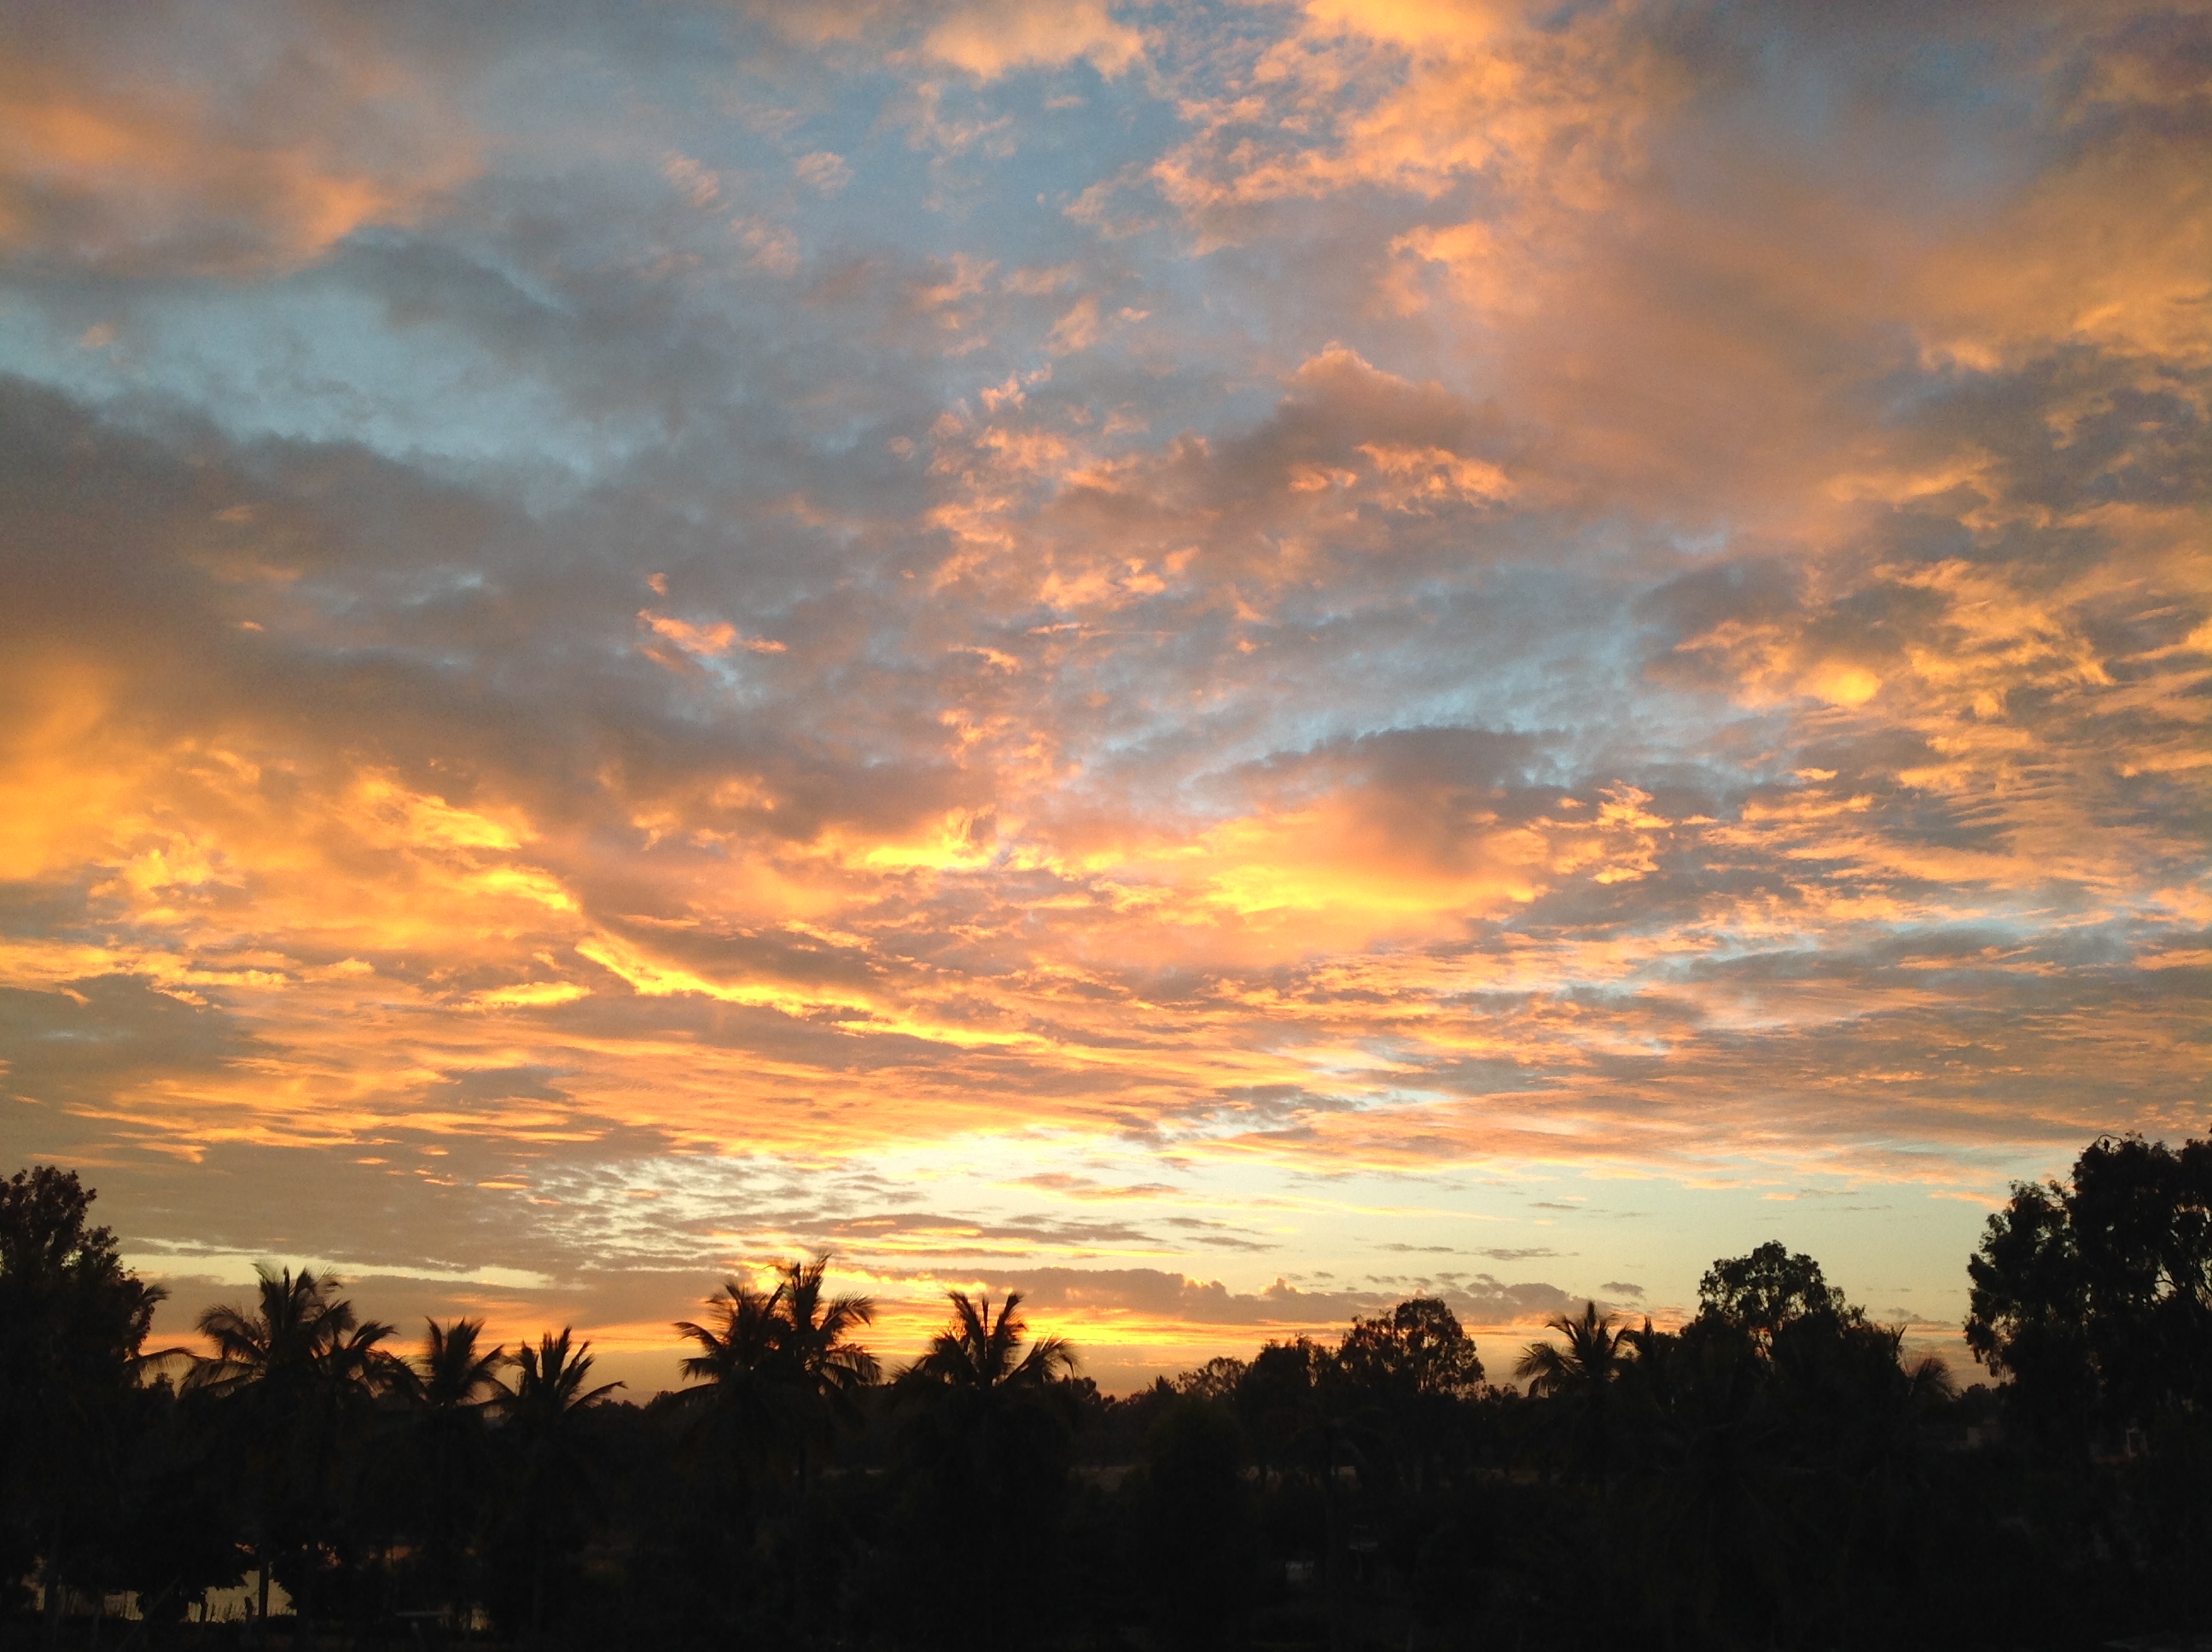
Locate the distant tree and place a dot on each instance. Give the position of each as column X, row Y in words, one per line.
column 73, row 1325
column 2096, row 1297
column 1768, row 1289
column 1198, row 1523
column 295, row 1376
column 1217, row 1379
column 1579, row 1377
column 1279, row 1400
column 1418, row 1347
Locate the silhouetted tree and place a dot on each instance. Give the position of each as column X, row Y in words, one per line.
column 1777, row 1474
column 449, row 1390
column 1579, row 1378
column 552, row 1471
column 778, row 1373
column 984, row 1457
column 746, row 1409
column 1198, row 1528
column 826, row 1366
column 1396, row 1385
column 181, row 1534
column 293, row 1374
column 1218, row 1379
column 72, row 1323
column 2096, row 1297
column 1768, row 1288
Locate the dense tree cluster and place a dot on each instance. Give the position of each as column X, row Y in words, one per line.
column 1772, row 1473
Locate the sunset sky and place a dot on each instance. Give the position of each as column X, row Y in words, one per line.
column 1216, row 661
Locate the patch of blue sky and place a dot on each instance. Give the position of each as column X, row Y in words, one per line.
column 308, row 361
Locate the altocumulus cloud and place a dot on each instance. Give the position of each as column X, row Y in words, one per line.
column 1132, row 653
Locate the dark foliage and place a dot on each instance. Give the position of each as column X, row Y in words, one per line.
column 2096, row 1297
column 1772, row 1474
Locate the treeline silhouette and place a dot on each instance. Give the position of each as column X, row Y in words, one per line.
column 1771, row 1474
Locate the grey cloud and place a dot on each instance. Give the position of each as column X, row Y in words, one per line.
column 1149, row 1291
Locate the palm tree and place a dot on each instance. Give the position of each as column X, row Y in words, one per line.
column 975, row 1352
column 828, row 1360
column 1577, row 1380
column 778, row 1368
column 544, row 1410
column 984, row 1455
column 453, row 1383
column 743, row 1401
column 1585, row 1366
column 828, row 1367
column 291, row 1371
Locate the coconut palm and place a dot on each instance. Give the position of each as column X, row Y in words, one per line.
column 829, row 1364
column 545, row 1410
column 452, row 1384
column 292, row 1372
column 828, row 1367
column 984, row 1455
column 777, row 1369
column 745, row 1406
column 1578, row 1379
column 978, row 1353
column 1582, row 1371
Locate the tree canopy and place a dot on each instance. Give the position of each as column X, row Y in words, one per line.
column 1776, row 1471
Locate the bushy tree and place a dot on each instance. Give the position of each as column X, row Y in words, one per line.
column 73, row 1326
column 2095, row 1296
column 1769, row 1289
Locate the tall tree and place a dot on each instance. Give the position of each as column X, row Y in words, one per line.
column 984, row 1459
column 2096, row 1296
column 553, row 1471
column 744, row 1407
column 1418, row 1347
column 778, row 1369
column 449, row 1389
column 1397, row 1381
column 1578, row 1375
column 828, row 1366
column 73, row 1325
column 293, row 1375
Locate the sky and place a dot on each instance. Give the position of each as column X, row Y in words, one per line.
column 1219, row 662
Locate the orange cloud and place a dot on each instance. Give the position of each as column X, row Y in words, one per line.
column 129, row 167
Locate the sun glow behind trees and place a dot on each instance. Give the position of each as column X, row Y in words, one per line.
column 1223, row 664
column 1769, row 1473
